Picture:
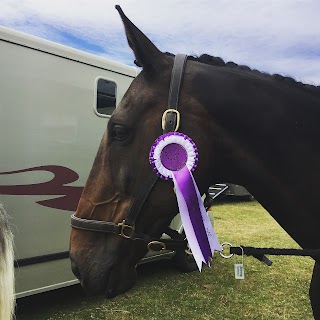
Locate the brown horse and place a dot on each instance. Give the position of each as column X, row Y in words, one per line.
column 253, row 129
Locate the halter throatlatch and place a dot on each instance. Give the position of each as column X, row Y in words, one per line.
column 125, row 229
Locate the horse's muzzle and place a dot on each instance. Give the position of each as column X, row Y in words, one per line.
column 104, row 278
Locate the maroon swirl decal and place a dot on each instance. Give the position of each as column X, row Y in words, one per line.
column 69, row 195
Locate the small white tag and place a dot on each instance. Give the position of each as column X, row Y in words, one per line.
column 239, row 271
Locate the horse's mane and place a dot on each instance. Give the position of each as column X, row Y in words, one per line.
column 219, row 62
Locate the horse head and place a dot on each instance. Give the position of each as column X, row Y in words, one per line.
column 246, row 125
column 105, row 262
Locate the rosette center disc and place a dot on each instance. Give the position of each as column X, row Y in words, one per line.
column 174, row 156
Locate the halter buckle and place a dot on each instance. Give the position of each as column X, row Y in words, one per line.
column 164, row 118
column 124, row 227
column 160, row 246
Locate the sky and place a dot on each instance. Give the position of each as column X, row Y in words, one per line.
column 274, row 36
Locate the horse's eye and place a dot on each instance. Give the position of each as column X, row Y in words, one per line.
column 119, row 132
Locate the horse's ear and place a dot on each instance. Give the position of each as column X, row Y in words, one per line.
column 147, row 54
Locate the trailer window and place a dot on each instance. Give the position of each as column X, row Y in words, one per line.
column 106, row 96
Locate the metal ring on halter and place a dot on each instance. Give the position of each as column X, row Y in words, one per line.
column 226, row 256
column 161, row 246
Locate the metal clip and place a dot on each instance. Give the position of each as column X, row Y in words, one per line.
column 125, row 226
column 164, row 118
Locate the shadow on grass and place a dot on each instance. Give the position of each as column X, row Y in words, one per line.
column 45, row 305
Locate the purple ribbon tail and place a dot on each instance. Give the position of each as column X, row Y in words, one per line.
column 213, row 239
column 198, row 228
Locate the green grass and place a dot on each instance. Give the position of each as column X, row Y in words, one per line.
column 276, row 292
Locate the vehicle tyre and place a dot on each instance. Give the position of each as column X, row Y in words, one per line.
column 184, row 261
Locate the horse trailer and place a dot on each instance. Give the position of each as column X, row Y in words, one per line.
column 54, row 103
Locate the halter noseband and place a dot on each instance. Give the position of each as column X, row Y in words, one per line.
column 125, row 229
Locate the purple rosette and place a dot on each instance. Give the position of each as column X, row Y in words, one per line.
column 174, row 156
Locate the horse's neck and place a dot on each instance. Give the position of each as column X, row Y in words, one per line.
column 267, row 143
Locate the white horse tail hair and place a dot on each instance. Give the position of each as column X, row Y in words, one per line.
column 7, row 292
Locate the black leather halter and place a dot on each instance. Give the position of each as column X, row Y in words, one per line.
column 170, row 123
